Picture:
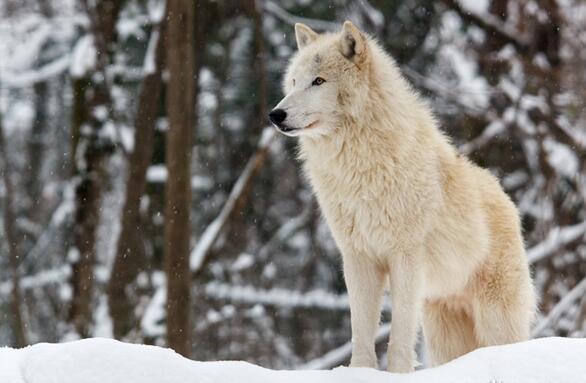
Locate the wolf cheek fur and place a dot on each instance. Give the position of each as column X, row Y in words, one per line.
column 403, row 206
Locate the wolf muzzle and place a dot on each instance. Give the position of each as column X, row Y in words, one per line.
column 277, row 117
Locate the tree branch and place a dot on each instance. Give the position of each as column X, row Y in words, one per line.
column 491, row 25
column 557, row 238
column 277, row 11
column 560, row 308
column 211, row 233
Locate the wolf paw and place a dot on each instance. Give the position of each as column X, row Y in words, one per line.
column 401, row 363
column 363, row 361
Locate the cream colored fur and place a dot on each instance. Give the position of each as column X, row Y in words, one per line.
column 404, row 207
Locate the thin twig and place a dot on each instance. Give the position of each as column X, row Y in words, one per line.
column 559, row 309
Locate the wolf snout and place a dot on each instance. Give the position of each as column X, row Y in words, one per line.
column 277, row 116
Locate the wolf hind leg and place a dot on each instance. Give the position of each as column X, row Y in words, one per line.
column 448, row 332
column 496, row 324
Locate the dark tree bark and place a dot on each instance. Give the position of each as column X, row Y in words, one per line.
column 13, row 248
column 87, row 195
column 36, row 149
column 180, row 106
column 259, row 50
column 130, row 254
column 36, row 144
column 92, row 94
column 238, row 233
column 46, row 8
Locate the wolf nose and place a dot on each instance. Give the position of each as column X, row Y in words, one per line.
column 277, row 116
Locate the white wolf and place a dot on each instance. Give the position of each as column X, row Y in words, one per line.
column 403, row 206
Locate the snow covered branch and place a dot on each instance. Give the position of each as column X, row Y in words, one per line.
column 278, row 297
column 276, row 10
column 43, row 278
column 491, row 25
column 209, row 236
column 556, row 239
column 287, row 230
column 31, row 77
column 444, row 91
column 560, row 308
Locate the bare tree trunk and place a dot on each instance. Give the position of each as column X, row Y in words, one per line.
column 259, row 64
column 180, row 106
column 130, row 253
column 36, row 144
column 87, row 195
column 36, row 149
column 92, row 148
column 13, row 251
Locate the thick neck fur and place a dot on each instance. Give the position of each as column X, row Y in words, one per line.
column 380, row 131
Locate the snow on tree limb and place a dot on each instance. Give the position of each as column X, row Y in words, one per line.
column 287, row 230
column 277, row 11
column 211, row 233
column 491, row 25
column 282, row 298
column 43, row 278
column 247, row 294
column 31, row 77
column 556, row 239
column 149, row 66
column 83, row 58
column 563, row 305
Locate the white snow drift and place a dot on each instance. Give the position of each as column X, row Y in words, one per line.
column 103, row 360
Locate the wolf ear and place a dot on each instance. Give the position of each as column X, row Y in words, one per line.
column 304, row 35
column 352, row 42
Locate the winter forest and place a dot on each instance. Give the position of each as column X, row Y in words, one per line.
column 145, row 198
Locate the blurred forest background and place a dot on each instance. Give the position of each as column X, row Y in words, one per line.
column 144, row 198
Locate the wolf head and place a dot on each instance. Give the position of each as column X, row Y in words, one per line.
column 326, row 83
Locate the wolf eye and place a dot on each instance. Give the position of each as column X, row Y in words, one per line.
column 318, row 81
column 293, row 82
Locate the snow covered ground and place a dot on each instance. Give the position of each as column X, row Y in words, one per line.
column 104, row 360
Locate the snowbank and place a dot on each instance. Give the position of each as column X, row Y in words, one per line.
column 103, row 360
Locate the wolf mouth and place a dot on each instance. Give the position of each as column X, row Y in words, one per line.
column 285, row 128
column 288, row 129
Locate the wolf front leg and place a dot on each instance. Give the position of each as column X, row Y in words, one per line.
column 365, row 283
column 406, row 303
